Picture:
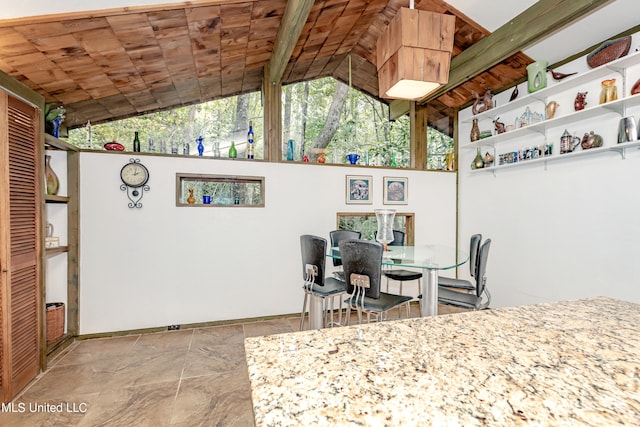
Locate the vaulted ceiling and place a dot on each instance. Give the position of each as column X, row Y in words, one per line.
column 117, row 63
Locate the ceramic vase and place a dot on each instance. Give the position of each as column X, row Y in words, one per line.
column 478, row 162
column 56, row 126
column 53, row 184
column 191, row 199
column 475, row 131
column 609, row 91
column 537, row 76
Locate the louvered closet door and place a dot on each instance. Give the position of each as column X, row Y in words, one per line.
column 21, row 293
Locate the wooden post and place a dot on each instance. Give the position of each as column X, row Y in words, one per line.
column 418, row 135
column 272, row 118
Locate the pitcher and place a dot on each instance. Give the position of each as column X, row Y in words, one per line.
column 568, row 142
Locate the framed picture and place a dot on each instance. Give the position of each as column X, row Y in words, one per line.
column 395, row 191
column 359, row 189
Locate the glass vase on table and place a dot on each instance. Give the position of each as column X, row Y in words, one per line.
column 385, row 218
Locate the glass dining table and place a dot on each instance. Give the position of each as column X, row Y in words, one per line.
column 430, row 258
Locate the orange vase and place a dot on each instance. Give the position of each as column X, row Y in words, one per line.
column 321, row 158
column 191, row 200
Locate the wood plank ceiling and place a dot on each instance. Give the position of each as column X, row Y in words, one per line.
column 113, row 64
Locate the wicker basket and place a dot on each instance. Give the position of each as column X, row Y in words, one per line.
column 55, row 320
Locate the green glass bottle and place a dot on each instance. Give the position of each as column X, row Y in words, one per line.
column 136, row 142
column 233, row 153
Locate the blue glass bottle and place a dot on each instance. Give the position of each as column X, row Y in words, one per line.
column 290, row 148
column 200, row 146
column 250, row 141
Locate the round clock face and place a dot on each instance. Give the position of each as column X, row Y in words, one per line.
column 134, row 174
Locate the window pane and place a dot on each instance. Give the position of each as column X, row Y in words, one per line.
column 224, row 121
column 325, row 117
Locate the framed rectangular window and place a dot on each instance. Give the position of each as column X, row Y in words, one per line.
column 219, row 190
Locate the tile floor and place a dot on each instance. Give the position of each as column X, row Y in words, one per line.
column 191, row 377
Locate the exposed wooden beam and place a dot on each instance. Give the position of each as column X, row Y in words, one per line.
column 295, row 16
column 418, row 134
column 272, row 93
column 534, row 24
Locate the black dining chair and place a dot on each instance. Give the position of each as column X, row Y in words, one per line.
column 335, row 237
column 471, row 298
column 399, row 274
column 314, row 252
column 474, row 253
column 362, row 265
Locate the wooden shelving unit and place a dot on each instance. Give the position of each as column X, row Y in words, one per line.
column 71, row 249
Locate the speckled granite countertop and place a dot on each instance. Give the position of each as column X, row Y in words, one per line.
column 566, row 363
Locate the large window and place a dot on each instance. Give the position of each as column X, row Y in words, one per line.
column 221, row 121
column 326, row 116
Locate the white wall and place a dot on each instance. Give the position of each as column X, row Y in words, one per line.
column 569, row 230
column 163, row 265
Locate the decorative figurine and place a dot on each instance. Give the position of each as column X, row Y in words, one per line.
column 488, row 159
column 499, row 126
column 591, row 140
column 559, row 76
column 580, row 101
column 514, row 94
column 482, row 103
column 609, row 91
column 550, row 109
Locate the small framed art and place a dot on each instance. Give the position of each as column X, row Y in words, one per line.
column 395, row 191
column 359, row 189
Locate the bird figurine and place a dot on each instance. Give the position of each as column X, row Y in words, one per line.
column 514, row 94
column 559, row 76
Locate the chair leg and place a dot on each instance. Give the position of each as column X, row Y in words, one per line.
column 304, row 307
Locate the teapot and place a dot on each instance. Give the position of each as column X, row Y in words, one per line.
column 568, row 142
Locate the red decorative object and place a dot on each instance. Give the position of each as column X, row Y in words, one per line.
column 581, row 101
column 609, row 51
column 636, row 88
column 305, row 158
column 114, row 146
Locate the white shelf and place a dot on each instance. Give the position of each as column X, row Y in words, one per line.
column 617, row 66
column 620, row 148
column 619, row 106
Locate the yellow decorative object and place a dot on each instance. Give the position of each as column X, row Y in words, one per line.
column 191, row 200
column 609, row 91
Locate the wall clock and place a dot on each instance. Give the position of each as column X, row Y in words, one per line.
column 134, row 176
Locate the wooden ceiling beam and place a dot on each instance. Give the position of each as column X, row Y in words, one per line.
column 295, row 16
column 534, row 24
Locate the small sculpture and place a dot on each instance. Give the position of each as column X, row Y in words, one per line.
column 499, row 125
column 550, row 109
column 482, row 103
column 609, row 91
column 591, row 140
column 580, row 101
column 559, row 76
column 636, row 88
column 488, row 159
column 514, row 94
